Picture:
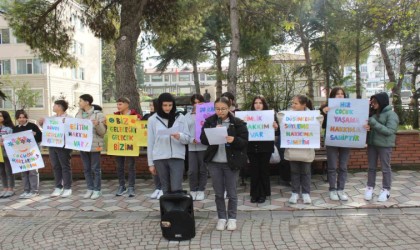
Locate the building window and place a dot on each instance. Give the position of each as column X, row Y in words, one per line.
column 6, row 104
column 363, row 68
column 202, row 77
column 81, row 73
column 166, row 78
column 81, row 49
column 184, row 77
column 4, row 36
column 211, row 77
column 146, row 78
column 77, row 23
column 40, row 100
column 73, row 73
column 28, row 66
column 4, row 67
column 157, row 78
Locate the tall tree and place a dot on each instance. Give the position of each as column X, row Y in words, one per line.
column 234, row 47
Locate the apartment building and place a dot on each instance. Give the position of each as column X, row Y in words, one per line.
column 20, row 63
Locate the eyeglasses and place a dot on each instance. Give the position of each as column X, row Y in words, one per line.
column 222, row 109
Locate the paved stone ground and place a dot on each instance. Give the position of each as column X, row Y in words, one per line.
column 405, row 193
column 391, row 228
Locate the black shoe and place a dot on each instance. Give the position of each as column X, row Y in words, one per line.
column 121, row 190
column 254, row 200
column 261, row 200
column 131, row 192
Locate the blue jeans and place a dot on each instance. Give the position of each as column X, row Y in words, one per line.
column 92, row 164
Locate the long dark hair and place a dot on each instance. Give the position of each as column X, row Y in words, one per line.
column 264, row 102
column 303, row 99
column 198, row 97
column 7, row 120
column 335, row 90
column 224, row 100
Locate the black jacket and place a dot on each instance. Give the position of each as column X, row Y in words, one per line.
column 30, row 126
column 236, row 152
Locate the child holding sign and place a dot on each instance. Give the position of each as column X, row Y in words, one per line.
column 30, row 178
column 334, row 154
column 300, row 158
column 92, row 160
column 123, row 104
column 7, row 177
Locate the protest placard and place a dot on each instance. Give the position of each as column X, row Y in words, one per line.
column 122, row 135
column 259, row 124
column 23, row 151
column 141, row 136
column 53, row 132
column 79, row 134
column 300, row 129
column 345, row 121
column 202, row 112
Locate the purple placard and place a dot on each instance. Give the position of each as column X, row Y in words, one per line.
column 203, row 111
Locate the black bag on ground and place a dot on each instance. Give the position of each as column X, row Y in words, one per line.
column 177, row 216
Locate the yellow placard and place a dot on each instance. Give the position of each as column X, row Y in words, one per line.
column 122, row 138
column 1, row 154
column 141, row 133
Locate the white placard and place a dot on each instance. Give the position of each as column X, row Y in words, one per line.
column 345, row 121
column 259, row 124
column 79, row 134
column 300, row 129
column 53, row 132
column 23, row 151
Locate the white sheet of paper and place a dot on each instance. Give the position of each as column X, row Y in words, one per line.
column 169, row 131
column 216, row 135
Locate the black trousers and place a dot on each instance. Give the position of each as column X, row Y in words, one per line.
column 260, row 174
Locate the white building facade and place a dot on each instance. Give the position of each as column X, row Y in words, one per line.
column 20, row 63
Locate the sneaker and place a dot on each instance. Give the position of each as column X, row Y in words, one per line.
column 96, row 195
column 384, row 195
column 155, row 194
column 368, row 193
column 31, row 195
column 121, row 191
column 342, row 195
column 231, row 224
column 23, row 196
column 159, row 194
column 88, row 194
column 66, row 193
column 225, row 194
column 306, row 199
column 334, row 196
column 8, row 194
column 200, row 196
column 57, row 192
column 293, row 199
column 193, row 195
column 131, row 192
column 2, row 194
column 221, row 225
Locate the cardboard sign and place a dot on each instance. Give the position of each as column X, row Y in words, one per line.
column 79, row 134
column 345, row 121
column 23, row 152
column 122, row 132
column 202, row 112
column 1, row 155
column 141, row 133
column 300, row 129
column 259, row 124
column 53, row 132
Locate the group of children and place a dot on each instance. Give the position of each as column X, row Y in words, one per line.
column 166, row 153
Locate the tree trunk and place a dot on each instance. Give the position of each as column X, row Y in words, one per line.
column 387, row 61
column 415, row 99
column 125, row 46
column 308, row 63
column 396, row 90
column 196, row 77
column 358, row 80
column 234, row 47
column 219, row 71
